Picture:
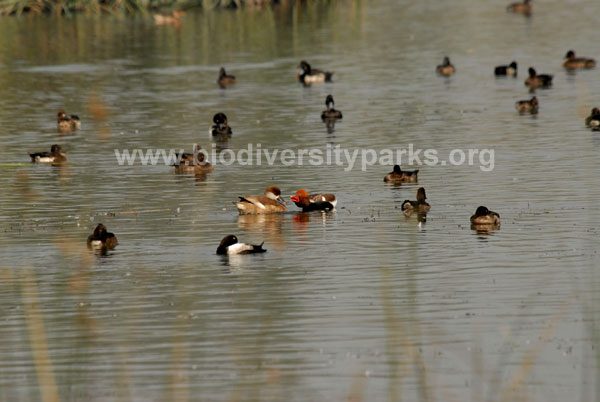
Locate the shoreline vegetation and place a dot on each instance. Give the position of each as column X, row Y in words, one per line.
column 68, row 7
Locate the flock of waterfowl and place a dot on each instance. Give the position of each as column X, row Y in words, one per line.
column 271, row 201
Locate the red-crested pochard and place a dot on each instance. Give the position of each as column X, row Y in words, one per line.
column 313, row 202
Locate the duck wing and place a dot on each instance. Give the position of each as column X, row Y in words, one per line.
column 321, row 197
column 260, row 201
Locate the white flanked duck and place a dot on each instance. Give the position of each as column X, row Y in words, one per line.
column 101, row 239
column 230, row 246
column 593, row 120
column 56, row 155
column 309, row 75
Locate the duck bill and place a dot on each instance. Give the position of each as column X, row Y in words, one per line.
column 294, row 198
column 281, row 201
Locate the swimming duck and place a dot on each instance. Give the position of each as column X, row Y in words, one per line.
column 538, row 81
column 446, row 68
column 224, row 79
column 193, row 162
column 269, row 203
column 314, row 202
column 221, row 128
column 511, row 69
column 401, row 176
column 523, row 7
column 230, row 246
column 309, row 75
column 571, row 62
column 420, row 205
column 67, row 122
column 484, row 216
column 169, row 19
column 593, row 120
column 56, row 155
column 527, row 106
column 101, row 239
column 330, row 113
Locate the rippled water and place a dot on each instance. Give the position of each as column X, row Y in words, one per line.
column 360, row 303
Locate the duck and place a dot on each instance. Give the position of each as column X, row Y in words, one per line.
column 571, row 62
column 56, row 155
column 224, row 79
column 538, row 81
column 193, row 162
column 169, row 19
column 270, row 202
column 446, row 68
column 401, row 176
column 314, row 202
column 510, row 69
column 419, row 206
column 102, row 239
column 527, row 106
column 593, row 120
column 230, row 246
column 309, row 75
column 523, row 7
column 67, row 122
column 484, row 216
column 221, row 128
column 330, row 113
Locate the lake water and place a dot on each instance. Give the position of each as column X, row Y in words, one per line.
column 357, row 304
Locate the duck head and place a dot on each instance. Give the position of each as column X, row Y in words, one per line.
column 305, row 67
column 513, row 65
column 199, row 153
column 100, row 232
column 534, row 101
column 397, row 169
column 570, row 55
column 446, row 61
column 329, row 102
column 301, row 197
column 421, row 194
column 595, row 111
column 222, row 72
column 220, row 120
column 274, row 193
column 56, row 150
column 62, row 116
column 532, row 72
column 482, row 211
column 227, row 241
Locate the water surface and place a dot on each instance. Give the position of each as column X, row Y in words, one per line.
column 359, row 303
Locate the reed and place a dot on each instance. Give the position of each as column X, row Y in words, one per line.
column 67, row 7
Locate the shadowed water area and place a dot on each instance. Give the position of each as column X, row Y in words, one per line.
column 360, row 303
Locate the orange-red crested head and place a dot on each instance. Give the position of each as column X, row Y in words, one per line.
column 300, row 195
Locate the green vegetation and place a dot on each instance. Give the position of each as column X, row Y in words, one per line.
column 65, row 7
